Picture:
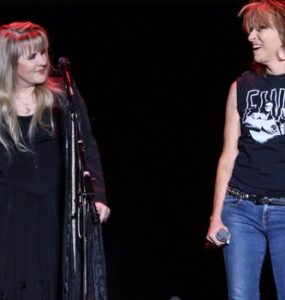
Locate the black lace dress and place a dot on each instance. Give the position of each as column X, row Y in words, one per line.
column 30, row 219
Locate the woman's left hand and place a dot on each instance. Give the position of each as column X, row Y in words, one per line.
column 103, row 211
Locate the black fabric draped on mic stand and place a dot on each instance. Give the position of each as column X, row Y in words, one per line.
column 84, row 260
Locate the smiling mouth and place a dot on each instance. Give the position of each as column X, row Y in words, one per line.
column 40, row 71
column 256, row 47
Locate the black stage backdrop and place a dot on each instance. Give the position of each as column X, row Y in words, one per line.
column 155, row 79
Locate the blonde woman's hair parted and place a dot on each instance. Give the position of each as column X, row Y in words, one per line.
column 15, row 38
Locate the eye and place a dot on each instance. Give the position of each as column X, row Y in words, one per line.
column 261, row 27
column 32, row 56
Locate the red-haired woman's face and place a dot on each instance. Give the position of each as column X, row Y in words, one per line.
column 265, row 44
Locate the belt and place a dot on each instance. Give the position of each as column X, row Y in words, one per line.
column 256, row 199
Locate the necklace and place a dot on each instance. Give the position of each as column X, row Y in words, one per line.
column 26, row 103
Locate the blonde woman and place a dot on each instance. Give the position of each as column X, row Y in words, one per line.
column 32, row 166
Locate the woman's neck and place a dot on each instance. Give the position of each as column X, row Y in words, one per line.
column 24, row 101
column 24, row 92
column 276, row 69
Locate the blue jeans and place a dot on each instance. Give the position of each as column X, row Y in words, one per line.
column 253, row 228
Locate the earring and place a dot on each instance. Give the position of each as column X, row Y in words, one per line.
column 281, row 53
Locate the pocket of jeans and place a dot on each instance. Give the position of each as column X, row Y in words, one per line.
column 231, row 200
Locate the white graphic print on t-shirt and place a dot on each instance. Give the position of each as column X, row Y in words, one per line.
column 264, row 115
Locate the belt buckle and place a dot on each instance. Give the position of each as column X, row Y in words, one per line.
column 264, row 200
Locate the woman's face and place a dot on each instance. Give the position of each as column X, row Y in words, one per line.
column 32, row 68
column 265, row 44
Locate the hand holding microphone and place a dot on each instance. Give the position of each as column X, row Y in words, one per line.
column 222, row 235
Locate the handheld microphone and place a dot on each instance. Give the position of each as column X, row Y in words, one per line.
column 222, row 235
column 64, row 66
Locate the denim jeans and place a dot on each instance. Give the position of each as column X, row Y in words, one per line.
column 253, row 228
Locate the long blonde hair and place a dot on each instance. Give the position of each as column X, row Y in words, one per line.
column 15, row 38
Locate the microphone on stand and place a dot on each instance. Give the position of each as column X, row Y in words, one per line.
column 64, row 66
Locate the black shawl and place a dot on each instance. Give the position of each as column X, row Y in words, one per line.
column 72, row 255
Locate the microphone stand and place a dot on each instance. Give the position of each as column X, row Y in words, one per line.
column 88, row 261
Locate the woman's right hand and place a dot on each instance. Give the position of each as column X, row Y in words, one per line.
column 215, row 226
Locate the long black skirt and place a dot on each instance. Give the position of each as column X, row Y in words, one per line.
column 30, row 245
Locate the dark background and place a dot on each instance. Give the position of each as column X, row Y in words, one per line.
column 155, row 77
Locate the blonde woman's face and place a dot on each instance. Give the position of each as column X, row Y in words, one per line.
column 32, row 68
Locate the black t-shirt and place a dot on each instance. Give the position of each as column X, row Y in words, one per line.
column 260, row 164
